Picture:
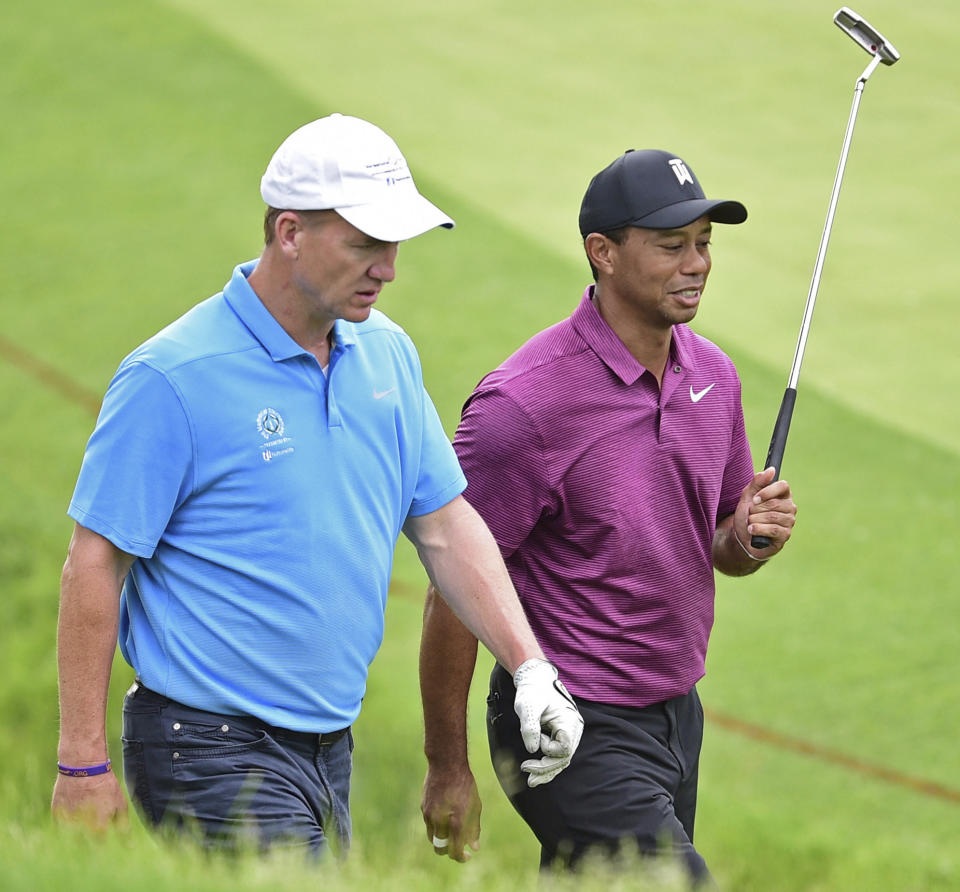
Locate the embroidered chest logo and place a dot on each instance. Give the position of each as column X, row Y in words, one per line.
column 271, row 427
column 270, row 424
column 696, row 396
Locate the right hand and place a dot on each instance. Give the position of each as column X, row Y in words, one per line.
column 96, row 802
column 451, row 810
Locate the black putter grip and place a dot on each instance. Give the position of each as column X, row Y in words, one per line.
column 778, row 442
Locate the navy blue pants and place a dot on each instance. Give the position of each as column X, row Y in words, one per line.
column 633, row 778
column 234, row 782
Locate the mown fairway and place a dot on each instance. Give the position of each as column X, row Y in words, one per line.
column 134, row 137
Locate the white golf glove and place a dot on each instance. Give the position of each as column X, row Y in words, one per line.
column 549, row 720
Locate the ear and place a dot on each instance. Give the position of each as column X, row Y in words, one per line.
column 287, row 230
column 601, row 252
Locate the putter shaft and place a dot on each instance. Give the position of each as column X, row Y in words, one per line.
column 781, row 429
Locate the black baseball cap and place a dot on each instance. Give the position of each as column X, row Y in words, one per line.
column 653, row 189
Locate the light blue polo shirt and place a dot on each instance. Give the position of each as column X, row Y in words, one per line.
column 262, row 500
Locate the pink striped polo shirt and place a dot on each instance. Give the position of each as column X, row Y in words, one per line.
column 603, row 491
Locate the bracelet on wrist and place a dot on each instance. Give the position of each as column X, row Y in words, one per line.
column 84, row 771
column 752, row 557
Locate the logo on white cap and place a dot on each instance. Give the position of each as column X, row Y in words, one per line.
column 391, row 171
column 680, row 169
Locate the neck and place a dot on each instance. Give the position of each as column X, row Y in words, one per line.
column 272, row 283
column 649, row 345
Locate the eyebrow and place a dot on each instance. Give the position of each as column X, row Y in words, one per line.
column 673, row 233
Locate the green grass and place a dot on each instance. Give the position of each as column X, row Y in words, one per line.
column 134, row 138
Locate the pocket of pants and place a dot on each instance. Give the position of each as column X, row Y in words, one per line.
column 494, row 711
column 191, row 740
column 503, row 738
column 135, row 778
column 500, row 698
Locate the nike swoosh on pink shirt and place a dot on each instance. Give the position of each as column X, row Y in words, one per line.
column 696, row 397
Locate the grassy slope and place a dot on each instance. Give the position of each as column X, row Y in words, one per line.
column 512, row 106
column 133, row 143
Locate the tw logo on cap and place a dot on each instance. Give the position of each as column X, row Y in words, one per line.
column 680, row 169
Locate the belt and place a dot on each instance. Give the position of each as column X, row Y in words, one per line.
column 327, row 738
column 311, row 738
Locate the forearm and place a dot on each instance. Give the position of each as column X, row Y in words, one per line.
column 86, row 642
column 448, row 655
column 464, row 563
column 450, row 804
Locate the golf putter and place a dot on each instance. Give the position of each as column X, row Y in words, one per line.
column 870, row 39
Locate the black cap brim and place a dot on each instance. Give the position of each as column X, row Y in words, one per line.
column 683, row 213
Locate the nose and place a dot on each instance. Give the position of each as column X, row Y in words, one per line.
column 696, row 260
column 384, row 267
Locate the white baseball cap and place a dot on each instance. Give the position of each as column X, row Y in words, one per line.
column 351, row 166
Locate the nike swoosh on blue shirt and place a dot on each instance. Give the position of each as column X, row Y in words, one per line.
column 380, row 394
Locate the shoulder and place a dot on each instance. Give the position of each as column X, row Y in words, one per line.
column 377, row 323
column 540, row 367
column 206, row 330
column 527, row 392
column 376, row 332
column 702, row 353
column 379, row 343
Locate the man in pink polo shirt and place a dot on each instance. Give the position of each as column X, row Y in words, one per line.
column 608, row 456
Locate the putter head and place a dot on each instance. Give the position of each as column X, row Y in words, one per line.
column 866, row 35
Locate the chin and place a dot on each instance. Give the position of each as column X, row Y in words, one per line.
column 684, row 317
column 360, row 314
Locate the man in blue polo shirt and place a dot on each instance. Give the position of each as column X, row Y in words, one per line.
column 236, row 514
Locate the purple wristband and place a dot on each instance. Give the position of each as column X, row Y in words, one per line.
column 89, row 771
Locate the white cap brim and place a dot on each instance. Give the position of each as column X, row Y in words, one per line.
column 396, row 220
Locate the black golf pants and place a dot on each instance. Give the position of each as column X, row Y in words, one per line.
column 633, row 778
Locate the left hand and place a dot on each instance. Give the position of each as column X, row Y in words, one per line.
column 549, row 720
column 766, row 508
column 451, row 811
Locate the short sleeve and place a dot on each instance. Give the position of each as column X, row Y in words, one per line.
column 502, row 455
column 138, row 465
column 440, row 479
